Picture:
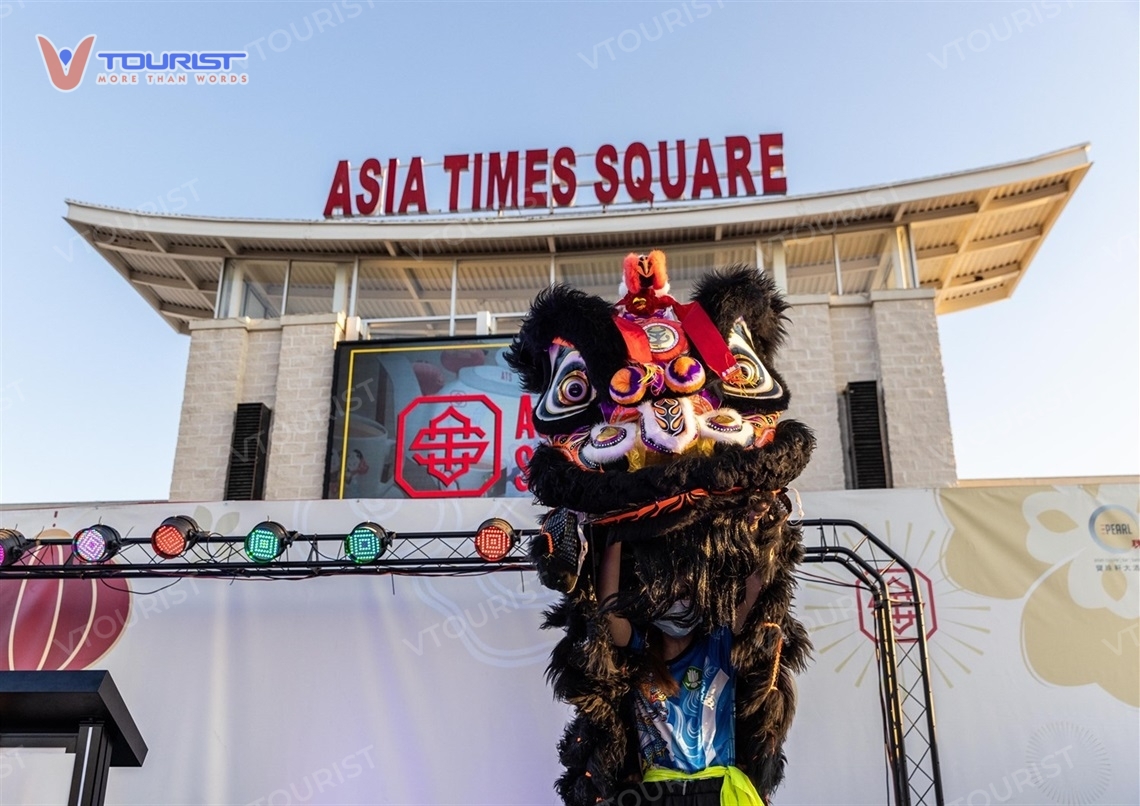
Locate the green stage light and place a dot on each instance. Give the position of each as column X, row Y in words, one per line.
column 367, row 542
column 266, row 541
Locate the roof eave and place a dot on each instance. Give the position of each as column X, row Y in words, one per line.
column 802, row 208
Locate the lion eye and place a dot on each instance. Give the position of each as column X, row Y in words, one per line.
column 749, row 371
column 754, row 380
column 574, row 388
column 570, row 392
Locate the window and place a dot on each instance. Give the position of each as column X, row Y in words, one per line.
column 265, row 289
column 311, row 287
column 253, row 288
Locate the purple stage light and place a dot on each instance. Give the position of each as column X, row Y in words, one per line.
column 96, row 544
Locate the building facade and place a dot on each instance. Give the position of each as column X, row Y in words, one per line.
column 867, row 273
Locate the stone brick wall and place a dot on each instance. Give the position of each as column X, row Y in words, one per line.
column 301, row 417
column 262, row 357
column 285, row 363
column 853, row 344
column 807, row 363
column 215, row 372
column 889, row 336
column 914, row 390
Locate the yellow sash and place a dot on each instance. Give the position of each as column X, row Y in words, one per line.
column 737, row 789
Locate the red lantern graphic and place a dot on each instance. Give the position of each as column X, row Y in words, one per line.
column 58, row 624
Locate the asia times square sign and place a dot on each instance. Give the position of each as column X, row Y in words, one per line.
column 547, row 180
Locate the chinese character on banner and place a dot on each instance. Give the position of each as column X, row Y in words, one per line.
column 904, row 617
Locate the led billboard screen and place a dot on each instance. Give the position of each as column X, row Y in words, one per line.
column 438, row 418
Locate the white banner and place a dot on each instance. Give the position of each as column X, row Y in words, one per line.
column 417, row 690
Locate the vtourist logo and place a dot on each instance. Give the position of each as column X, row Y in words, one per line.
column 65, row 68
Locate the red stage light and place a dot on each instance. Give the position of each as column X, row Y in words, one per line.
column 495, row 539
column 174, row 537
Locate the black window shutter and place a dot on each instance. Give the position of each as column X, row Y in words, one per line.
column 245, row 477
column 866, row 436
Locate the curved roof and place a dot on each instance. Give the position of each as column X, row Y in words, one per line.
column 974, row 234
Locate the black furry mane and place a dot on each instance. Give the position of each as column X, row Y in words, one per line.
column 583, row 320
column 741, row 291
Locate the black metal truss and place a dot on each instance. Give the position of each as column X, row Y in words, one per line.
column 908, row 712
column 422, row 553
column 904, row 673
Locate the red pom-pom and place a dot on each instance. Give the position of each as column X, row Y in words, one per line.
column 644, row 271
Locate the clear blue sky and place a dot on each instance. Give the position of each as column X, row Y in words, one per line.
column 91, row 378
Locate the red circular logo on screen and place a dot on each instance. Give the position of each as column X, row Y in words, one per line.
column 448, row 446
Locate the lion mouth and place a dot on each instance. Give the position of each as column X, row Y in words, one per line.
column 669, row 490
column 660, row 431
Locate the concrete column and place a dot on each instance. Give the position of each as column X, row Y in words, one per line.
column 854, row 350
column 807, row 364
column 299, row 434
column 780, row 266
column 215, row 374
column 914, row 389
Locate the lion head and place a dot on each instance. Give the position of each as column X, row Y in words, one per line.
column 662, row 422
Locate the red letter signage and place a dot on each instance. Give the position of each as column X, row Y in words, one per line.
column 637, row 175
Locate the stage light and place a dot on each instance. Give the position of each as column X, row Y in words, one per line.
column 367, row 542
column 96, row 544
column 266, row 541
column 12, row 545
column 175, row 537
column 495, row 539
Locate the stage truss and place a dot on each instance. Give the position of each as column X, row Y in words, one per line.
column 904, row 668
column 904, row 681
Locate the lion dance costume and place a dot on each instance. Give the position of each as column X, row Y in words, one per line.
column 662, row 429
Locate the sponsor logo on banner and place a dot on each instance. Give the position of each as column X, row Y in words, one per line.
column 66, row 68
column 1066, row 554
column 1114, row 530
column 904, row 615
column 836, row 623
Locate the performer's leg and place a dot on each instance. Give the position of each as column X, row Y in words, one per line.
column 702, row 793
column 669, row 793
column 654, row 793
